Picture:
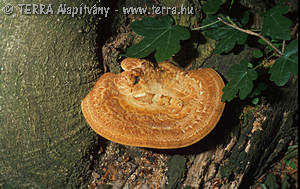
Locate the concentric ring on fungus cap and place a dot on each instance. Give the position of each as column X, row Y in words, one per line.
column 163, row 107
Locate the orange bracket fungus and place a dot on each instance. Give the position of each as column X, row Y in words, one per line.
column 156, row 107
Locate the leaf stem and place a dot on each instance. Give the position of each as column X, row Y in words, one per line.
column 230, row 20
column 201, row 27
column 251, row 33
column 283, row 46
column 259, row 65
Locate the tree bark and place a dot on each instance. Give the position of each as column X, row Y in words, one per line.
column 48, row 64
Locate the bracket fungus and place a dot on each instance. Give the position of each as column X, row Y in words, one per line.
column 157, row 107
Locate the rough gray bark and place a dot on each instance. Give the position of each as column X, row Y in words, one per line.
column 256, row 140
column 48, row 63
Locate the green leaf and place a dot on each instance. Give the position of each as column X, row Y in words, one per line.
column 270, row 181
column 276, row 25
column 291, row 153
column 160, row 35
column 227, row 36
column 241, row 81
column 269, row 49
column 245, row 18
column 285, row 65
column 231, row 3
column 250, row 65
column 285, row 183
column 255, row 101
column 257, row 53
column 212, row 6
column 290, row 163
column 262, row 42
column 258, row 89
column 263, row 186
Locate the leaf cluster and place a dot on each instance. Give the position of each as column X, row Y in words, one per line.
column 276, row 28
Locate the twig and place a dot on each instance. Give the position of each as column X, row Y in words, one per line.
column 130, row 173
column 283, row 46
column 294, row 30
column 251, row 33
column 201, row 27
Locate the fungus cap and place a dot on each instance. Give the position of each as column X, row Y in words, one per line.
column 163, row 107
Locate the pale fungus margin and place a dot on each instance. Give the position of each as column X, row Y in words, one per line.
column 157, row 107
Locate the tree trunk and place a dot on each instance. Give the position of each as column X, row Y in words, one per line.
column 48, row 64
